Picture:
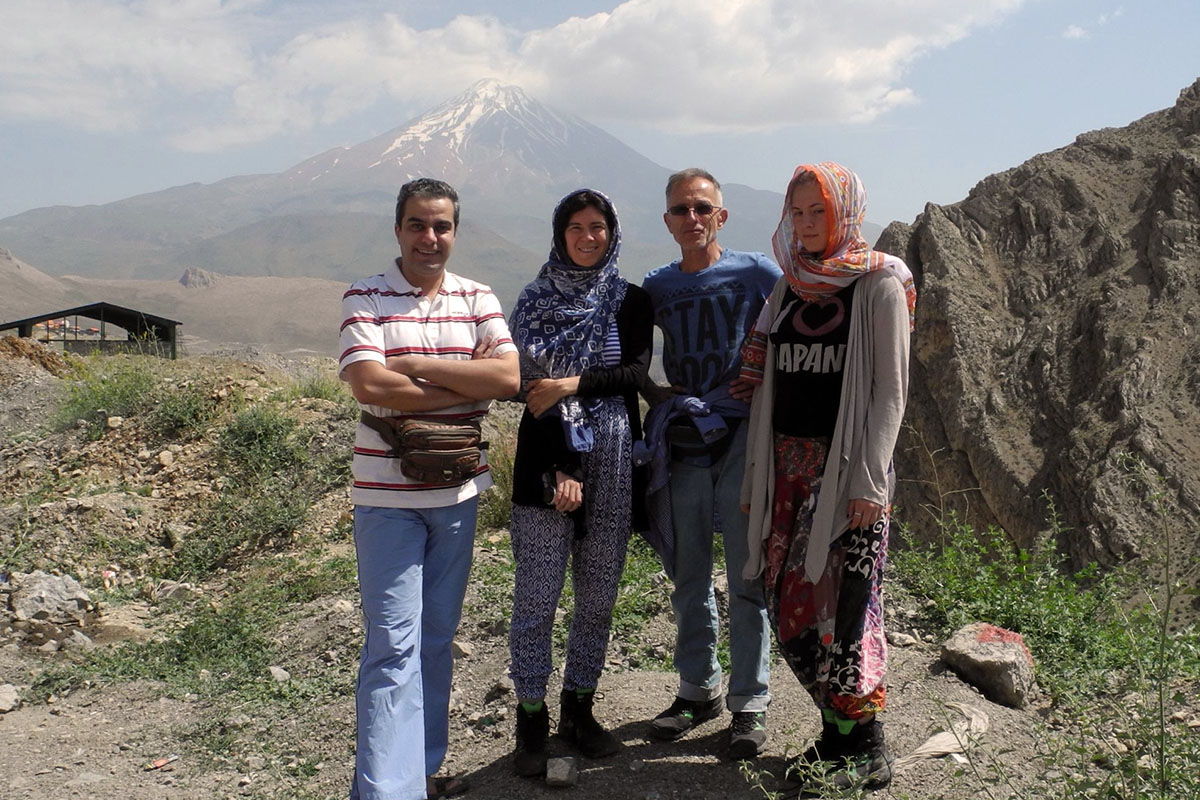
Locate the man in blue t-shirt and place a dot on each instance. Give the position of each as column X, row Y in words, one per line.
column 705, row 303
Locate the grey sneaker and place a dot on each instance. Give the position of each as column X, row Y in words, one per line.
column 682, row 716
column 747, row 734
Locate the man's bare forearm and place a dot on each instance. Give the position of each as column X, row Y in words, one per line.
column 373, row 384
column 477, row 379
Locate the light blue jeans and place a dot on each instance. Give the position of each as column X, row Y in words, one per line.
column 413, row 565
column 696, row 492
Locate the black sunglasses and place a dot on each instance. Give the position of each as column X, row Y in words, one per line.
column 702, row 210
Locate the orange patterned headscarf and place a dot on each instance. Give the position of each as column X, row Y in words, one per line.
column 847, row 255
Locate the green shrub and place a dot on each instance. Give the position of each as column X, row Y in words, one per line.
column 121, row 387
column 228, row 641
column 245, row 518
column 495, row 505
column 262, row 440
column 183, row 412
column 1071, row 622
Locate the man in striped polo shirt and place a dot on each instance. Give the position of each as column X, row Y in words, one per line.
column 415, row 340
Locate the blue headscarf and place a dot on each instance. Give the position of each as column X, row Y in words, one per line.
column 563, row 316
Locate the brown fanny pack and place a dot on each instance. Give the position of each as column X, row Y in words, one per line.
column 431, row 451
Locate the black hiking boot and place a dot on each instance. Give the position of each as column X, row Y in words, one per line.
column 577, row 725
column 533, row 728
column 820, row 757
column 865, row 761
column 682, row 716
column 747, row 734
column 836, row 761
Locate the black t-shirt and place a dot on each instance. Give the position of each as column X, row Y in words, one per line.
column 809, row 340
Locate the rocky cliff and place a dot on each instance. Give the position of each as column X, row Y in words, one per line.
column 1056, row 352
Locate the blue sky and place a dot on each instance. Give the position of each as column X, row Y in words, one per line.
column 104, row 99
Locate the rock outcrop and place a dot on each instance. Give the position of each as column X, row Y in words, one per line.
column 1056, row 353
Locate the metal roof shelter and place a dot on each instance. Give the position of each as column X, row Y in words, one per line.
column 145, row 332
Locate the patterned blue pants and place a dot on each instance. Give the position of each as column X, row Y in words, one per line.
column 542, row 541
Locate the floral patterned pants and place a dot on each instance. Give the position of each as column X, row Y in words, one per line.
column 829, row 632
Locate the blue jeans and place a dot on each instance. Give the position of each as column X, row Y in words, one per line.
column 696, row 492
column 413, row 565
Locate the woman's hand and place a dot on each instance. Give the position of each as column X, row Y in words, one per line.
column 568, row 492
column 656, row 394
column 863, row 513
column 545, row 392
column 742, row 389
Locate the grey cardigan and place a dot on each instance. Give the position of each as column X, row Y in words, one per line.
column 874, row 392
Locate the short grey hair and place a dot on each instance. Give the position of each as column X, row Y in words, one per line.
column 689, row 174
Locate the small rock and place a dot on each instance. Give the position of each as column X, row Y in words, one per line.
column 502, row 689
column 10, row 700
column 279, row 674
column 461, row 649
column 112, row 423
column 49, row 598
column 166, row 458
column 902, row 640
column 78, row 640
column 255, row 763
column 50, row 647
column 171, row 591
column 562, row 772
column 143, row 455
column 174, row 534
column 245, row 780
column 236, row 722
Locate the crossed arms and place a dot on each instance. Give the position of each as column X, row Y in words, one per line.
column 415, row 383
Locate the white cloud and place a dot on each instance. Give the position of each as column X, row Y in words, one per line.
column 1074, row 32
column 213, row 74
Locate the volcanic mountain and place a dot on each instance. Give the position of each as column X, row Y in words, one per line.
column 510, row 156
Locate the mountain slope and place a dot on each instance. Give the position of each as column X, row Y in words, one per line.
column 1056, row 352
column 510, row 157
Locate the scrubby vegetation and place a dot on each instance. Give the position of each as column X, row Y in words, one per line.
column 256, row 519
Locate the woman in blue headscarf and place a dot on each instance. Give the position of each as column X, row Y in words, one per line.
column 584, row 335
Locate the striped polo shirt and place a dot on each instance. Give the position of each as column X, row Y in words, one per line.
column 384, row 315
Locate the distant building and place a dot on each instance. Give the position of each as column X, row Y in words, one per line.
column 116, row 330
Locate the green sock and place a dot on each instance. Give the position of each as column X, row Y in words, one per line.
column 534, row 707
column 844, row 724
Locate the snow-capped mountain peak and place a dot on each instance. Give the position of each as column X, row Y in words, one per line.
column 488, row 104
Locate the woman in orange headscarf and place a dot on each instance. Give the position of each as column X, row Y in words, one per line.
column 830, row 356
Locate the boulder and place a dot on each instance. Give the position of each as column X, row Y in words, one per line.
column 994, row 660
column 57, row 599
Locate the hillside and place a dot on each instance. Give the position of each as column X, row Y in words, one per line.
column 205, row 513
column 1056, row 353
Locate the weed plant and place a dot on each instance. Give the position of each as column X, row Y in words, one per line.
column 182, row 413
column 224, row 647
column 1107, row 646
column 317, row 385
column 272, row 478
column 1070, row 621
column 118, row 386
